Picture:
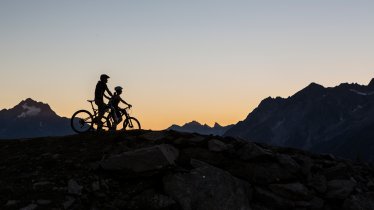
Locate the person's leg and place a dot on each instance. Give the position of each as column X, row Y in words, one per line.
column 101, row 109
column 119, row 116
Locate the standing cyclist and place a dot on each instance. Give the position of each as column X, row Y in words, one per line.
column 100, row 90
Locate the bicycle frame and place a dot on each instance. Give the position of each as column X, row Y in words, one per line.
column 127, row 115
column 122, row 112
column 95, row 111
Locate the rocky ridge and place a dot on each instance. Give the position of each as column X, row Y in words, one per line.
column 171, row 170
column 196, row 127
column 30, row 119
column 337, row 120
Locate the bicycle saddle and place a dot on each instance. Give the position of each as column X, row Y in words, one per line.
column 91, row 101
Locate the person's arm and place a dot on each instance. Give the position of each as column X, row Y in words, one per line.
column 107, row 97
column 123, row 101
column 107, row 89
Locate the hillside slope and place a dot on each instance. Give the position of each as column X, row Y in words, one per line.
column 171, row 170
column 338, row 120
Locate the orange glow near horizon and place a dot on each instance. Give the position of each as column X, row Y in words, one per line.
column 162, row 114
column 178, row 61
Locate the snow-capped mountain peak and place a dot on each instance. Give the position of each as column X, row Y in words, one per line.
column 29, row 119
column 29, row 111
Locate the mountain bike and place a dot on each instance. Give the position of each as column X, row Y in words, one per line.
column 116, row 117
column 84, row 121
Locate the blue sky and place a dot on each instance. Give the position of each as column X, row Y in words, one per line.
column 181, row 60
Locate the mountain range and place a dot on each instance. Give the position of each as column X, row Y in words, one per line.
column 337, row 120
column 196, row 127
column 31, row 119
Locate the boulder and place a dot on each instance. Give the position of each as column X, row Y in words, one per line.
column 11, row 203
column 30, row 207
column 316, row 203
column 208, row 187
column 339, row 171
column 266, row 172
column 217, row 146
column 43, row 185
column 292, row 191
column 272, row 200
column 252, row 151
column 288, row 163
column 305, row 162
column 362, row 202
column 69, row 202
column 340, row 189
column 143, row 160
column 149, row 199
column 318, row 182
column 74, row 188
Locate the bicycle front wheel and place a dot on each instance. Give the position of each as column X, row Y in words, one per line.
column 81, row 121
column 131, row 123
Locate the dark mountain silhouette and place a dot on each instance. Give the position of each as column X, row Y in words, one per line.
column 196, row 127
column 175, row 171
column 338, row 120
column 32, row 119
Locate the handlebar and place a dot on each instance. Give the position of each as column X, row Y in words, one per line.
column 127, row 107
column 109, row 104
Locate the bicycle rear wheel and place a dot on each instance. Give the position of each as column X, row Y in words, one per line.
column 81, row 121
column 131, row 123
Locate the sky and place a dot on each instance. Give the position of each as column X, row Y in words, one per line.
column 178, row 61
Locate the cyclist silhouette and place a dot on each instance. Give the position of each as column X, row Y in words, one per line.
column 115, row 100
column 100, row 90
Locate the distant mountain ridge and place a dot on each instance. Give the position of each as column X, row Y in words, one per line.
column 196, row 127
column 338, row 120
column 32, row 119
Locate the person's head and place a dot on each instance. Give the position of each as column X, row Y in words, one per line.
column 118, row 90
column 104, row 78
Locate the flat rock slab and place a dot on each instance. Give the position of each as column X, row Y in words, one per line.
column 143, row 160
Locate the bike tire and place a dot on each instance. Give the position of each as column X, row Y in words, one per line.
column 134, row 122
column 81, row 121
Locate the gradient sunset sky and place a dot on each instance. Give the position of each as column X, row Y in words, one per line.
column 178, row 61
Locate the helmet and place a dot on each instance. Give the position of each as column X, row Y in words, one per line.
column 104, row 76
column 118, row 88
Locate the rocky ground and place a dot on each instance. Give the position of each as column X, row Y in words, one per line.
column 170, row 170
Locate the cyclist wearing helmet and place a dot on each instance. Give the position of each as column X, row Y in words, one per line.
column 116, row 99
column 100, row 90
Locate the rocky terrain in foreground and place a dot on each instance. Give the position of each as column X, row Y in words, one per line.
column 171, row 170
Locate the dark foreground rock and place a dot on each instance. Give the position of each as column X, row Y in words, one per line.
column 171, row 171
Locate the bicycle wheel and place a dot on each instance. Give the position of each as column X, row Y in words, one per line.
column 131, row 123
column 81, row 121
